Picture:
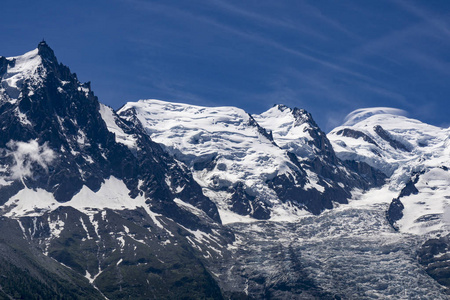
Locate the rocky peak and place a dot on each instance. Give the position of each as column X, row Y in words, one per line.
column 281, row 107
column 292, row 126
column 89, row 144
column 4, row 63
column 302, row 116
column 46, row 52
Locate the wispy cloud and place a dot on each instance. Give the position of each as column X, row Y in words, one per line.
column 331, row 22
column 406, row 45
column 345, row 74
column 249, row 36
column 431, row 18
column 308, row 30
column 428, row 61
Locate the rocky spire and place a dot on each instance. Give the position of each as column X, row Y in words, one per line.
column 47, row 53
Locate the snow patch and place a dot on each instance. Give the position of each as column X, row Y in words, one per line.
column 113, row 194
column 121, row 137
column 56, row 227
column 189, row 207
column 23, row 229
column 27, row 67
column 85, row 228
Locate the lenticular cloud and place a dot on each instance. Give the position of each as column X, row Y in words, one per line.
column 364, row 113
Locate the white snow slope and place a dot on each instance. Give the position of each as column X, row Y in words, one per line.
column 196, row 134
column 25, row 67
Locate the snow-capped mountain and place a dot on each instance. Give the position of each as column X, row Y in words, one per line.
column 389, row 141
column 167, row 200
column 414, row 155
column 272, row 165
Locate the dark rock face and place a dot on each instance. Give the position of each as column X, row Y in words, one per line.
column 329, row 168
column 26, row 273
column 388, row 138
column 4, row 63
column 245, row 204
column 434, row 256
column 310, row 199
column 55, row 118
column 9, row 191
column 373, row 177
column 328, row 165
column 205, row 163
column 319, row 138
column 123, row 253
column 409, row 189
column 356, row 135
column 395, row 211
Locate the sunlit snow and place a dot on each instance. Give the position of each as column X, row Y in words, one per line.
column 121, row 137
column 423, row 150
column 25, row 67
column 223, row 135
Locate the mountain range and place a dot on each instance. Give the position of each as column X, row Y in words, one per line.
column 167, row 200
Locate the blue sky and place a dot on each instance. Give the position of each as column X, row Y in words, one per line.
column 329, row 57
